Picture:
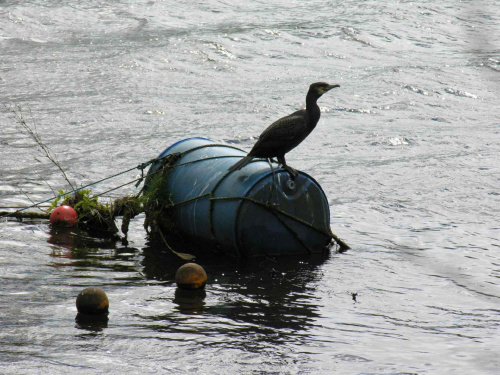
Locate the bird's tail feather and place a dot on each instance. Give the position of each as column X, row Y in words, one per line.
column 241, row 163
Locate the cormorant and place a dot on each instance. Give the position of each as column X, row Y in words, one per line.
column 288, row 132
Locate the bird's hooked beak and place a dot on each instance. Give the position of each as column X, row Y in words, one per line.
column 331, row 87
column 325, row 88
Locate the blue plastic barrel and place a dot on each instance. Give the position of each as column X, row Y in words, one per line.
column 246, row 213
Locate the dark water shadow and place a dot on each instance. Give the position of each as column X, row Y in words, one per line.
column 92, row 323
column 190, row 302
column 272, row 296
column 75, row 247
column 270, row 293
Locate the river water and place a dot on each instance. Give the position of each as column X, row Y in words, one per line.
column 407, row 151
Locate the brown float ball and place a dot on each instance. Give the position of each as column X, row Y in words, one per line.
column 92, row 301
column 191, row 276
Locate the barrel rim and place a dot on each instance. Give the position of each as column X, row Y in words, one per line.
column 164, row 152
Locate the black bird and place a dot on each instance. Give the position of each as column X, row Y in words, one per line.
column 288, row 132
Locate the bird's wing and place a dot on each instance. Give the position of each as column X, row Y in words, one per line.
column 284, row 129
column 280, row 136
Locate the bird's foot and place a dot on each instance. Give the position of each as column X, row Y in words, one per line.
column 292, row 172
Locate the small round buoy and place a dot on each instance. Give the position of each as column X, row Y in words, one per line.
column 191, row 276
column 65, row 216
column 92, row 301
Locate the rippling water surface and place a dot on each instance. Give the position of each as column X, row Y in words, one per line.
column 407, row 151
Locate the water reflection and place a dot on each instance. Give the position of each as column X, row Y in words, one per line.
column 190, row 301
column 76, row 238
column 275, row 293
column 93, row 323
column 250, row 302
column 272, row 295
column 75, row 247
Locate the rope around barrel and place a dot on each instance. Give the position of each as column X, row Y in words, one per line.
column 167, row 163
column 279, row 214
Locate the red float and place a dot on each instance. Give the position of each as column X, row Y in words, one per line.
column 64, row 216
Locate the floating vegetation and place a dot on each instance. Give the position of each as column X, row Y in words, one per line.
column 156, row 200
column 93, row 215
column 128, row 207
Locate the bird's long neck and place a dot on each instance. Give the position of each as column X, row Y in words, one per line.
column 312, row 109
